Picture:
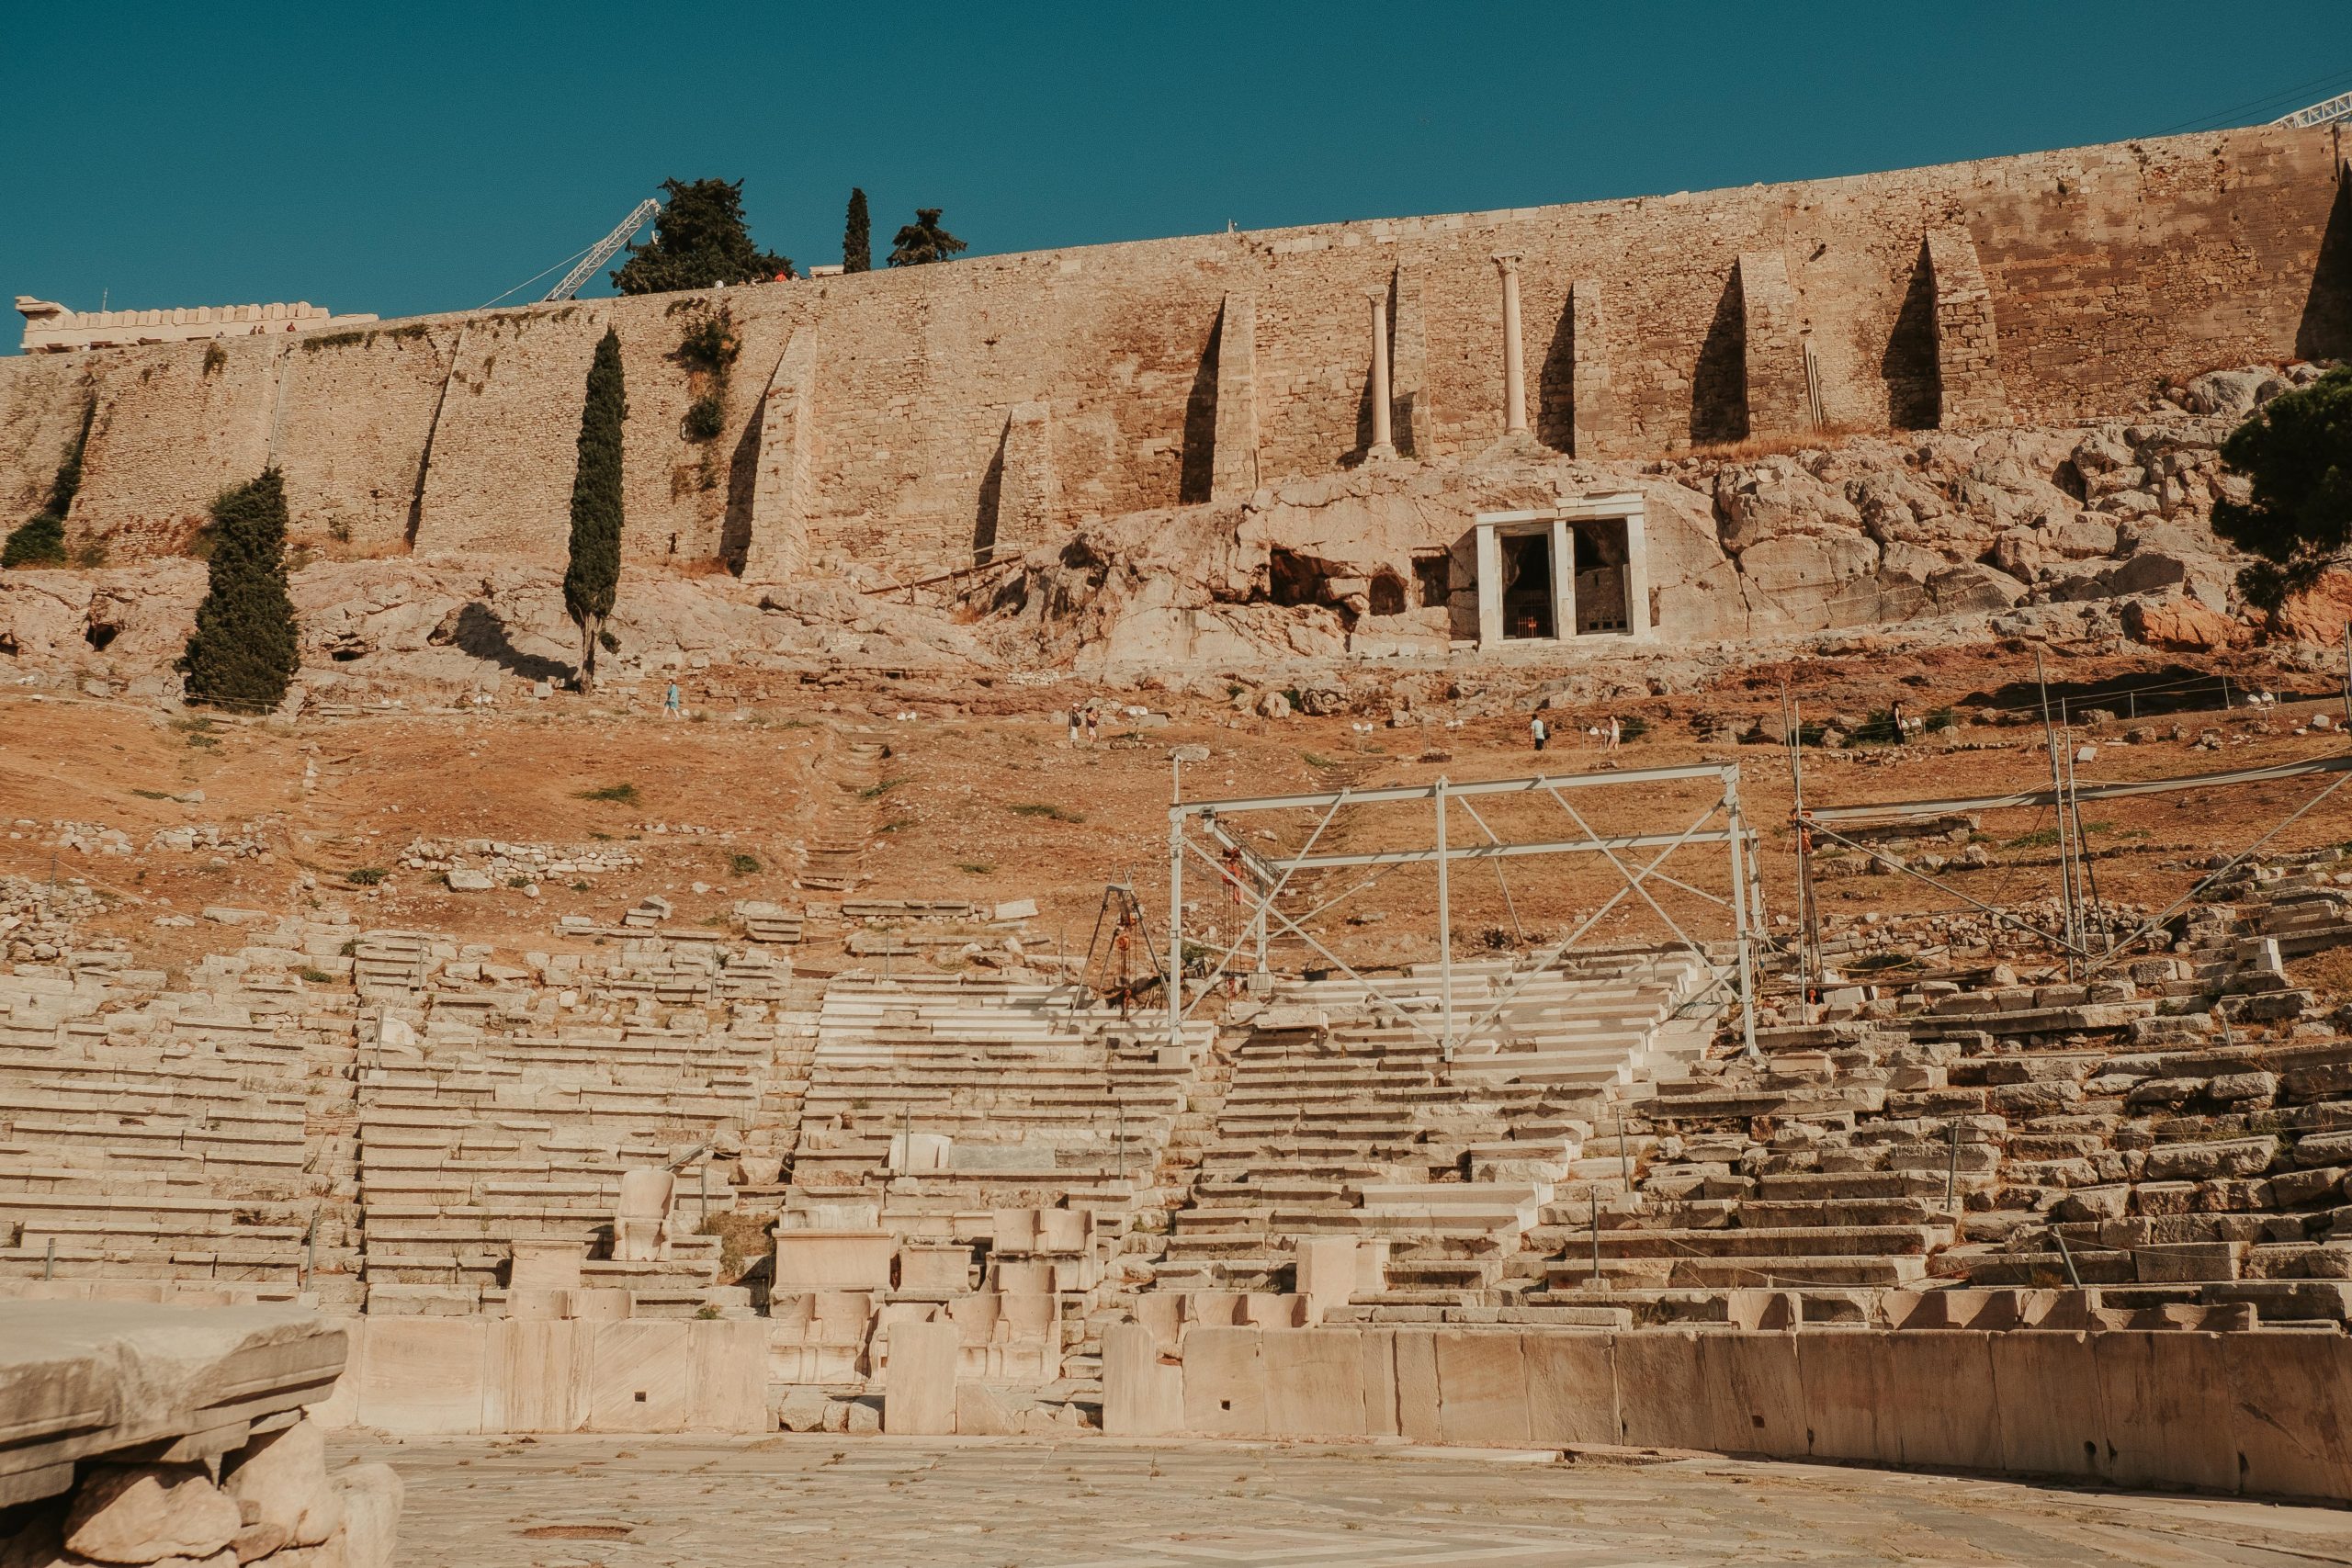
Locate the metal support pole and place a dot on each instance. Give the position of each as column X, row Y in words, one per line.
column 1740, row 928
column 1444, row 929
column 49, row 1263
column 2067, row 1256
column 1592, row 1197
column 2058, row 794
column 1123, row 1140
column 1175, row 926
column 1625, row 1155
column 1951, row 1171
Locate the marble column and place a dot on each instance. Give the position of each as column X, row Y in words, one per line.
column 1490, row 587
column 1383, row 442
column 1564, row 579
column 1514, row 354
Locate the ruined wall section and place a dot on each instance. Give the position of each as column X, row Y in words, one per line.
column 2112, row 267
column 352, row 429
column 920, row 370
column 41, row 401
column 2107, row 269
column 500, row 479
column 177, row 425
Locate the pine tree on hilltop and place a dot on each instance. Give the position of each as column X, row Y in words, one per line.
column 857, row 240
column 244, row 650
column 924, row 241
column 593, row 578
column 700, row 239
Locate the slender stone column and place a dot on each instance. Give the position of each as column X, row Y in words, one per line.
column 1383, row 443
column 1514, row 354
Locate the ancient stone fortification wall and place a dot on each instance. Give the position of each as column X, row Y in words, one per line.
column 2102, row 270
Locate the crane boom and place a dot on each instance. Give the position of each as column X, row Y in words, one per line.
column 2322, row 113
column 604, row 251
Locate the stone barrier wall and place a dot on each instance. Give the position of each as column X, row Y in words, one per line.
column 2103, row 270
column 2264, row 1412
column 463, row 1375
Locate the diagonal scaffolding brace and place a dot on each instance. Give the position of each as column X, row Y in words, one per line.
column 1269, row 875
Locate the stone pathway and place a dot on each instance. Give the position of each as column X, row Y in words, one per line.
column 876, row 1503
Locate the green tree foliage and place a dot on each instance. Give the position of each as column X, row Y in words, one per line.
column 593, row 576
column 699, row 240
column 2296, row 454
column 924, row 241
column 244, row 650
column 858, row 238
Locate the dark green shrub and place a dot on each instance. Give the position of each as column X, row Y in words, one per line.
column 704, row 418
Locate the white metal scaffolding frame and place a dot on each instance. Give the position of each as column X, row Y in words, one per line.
column 1269, row 874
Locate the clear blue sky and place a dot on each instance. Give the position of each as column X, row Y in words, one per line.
column 425, row 156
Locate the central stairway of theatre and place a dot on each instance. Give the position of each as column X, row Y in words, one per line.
column 935, row 1095
column 1346, row 1116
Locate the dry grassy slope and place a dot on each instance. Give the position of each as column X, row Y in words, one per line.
column 947, row 823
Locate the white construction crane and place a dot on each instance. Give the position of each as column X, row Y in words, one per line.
column 2322, row 113
column 605, row 249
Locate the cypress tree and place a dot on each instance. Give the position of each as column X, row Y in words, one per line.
column 244, row 650
column 857, row 240
column 595, row 572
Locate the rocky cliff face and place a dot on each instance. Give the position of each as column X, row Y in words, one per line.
column 2098, row 530
column 1872, row 530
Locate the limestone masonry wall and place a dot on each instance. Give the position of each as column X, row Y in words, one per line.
column 2104, row 270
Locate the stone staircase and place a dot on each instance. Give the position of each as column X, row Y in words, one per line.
column 1347, row 1117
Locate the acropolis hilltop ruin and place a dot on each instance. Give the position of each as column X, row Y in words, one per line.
column 1647, row 834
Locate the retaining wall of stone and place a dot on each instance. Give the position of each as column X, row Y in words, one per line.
column 464, row 1375
column 2264, row 1412
column 2104, row 270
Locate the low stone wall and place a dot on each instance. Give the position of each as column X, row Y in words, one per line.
column 462, row 1376
column 2266, row 1413
column 137, row 1434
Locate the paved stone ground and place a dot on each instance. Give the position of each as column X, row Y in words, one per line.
column 786, row 1502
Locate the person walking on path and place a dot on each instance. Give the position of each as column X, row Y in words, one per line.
column 672, row 705
column 1538, row 732
column 1093, row 726
column 1077, row 723
column 1614, row 733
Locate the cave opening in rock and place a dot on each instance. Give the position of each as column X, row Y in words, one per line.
column 1292, row 579
column 97, row 634
column 1387, row 594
